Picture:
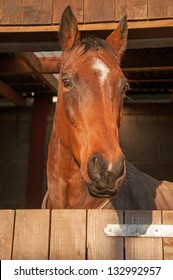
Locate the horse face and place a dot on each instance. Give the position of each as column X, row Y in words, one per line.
column 91, row 91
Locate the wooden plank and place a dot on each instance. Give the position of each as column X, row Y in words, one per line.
column 134, row 9
column 36, row 12
column 99, row 10
column 88, row 26
column 34, row 63
column 168, row 242
column 101, row 247
column 68, row 235
column 11, row 94
column 6, row 233
column 31, row 235
column 36, row 153
column 10, row 12
column 59, row 6
column 160, row 9
column 143, row 248
column 48, row 65
column 13, row 66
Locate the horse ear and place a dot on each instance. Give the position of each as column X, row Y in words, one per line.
column 118, row 38
column 68, row 29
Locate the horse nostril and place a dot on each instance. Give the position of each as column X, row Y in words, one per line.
column 99, row 169
column 96, row 167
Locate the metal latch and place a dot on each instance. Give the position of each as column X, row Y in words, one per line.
column 140, row 230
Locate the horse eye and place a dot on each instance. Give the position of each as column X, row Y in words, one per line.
column 66, row 82
column 126, row 87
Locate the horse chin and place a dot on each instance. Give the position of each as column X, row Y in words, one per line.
column 101, row 190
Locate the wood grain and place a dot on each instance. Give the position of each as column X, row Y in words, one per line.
column 10, row 12
column 59, row 6
column 160, row 9
column 36, row 12
column 137, row 248
column 134, row 9
column 168, row 242
column 31, row 235
column 99, row 10
column 6, row 233
column 101, row 247
column 68, row 235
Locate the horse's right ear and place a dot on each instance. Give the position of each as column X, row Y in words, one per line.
column 68, row 29
column 118, row 38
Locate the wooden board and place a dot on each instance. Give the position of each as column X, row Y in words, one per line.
column 36, row 12
column 99, row 10
column 160, row 9
column 68, row 235
column 31, row 235
column 101, row 247
column 6, row 233
column 10, row 12
column 134, row 9
column 59, row 6
column 143, row 248
column 168, row 242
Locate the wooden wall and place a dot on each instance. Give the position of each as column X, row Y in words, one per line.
column 79, row 234
column 48, row 12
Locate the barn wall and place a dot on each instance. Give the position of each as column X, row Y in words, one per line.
column 14, row 149
column 146, row 138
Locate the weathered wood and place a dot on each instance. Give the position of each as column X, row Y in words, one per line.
column 168, row 242
column 36, row 153
column 10, row 12
column 68, row 234
column 13, row 66
column 143, row 248
column 11, row 94
column 59, row 6
column 79, row 234
column 34, row 63
column 100, row 247
column 31, row 235
column 6, row 233
column 99, row 10
column 88, row 27
column 36, row 12
column 160, row 9
column 48, row 65
column 134, row 9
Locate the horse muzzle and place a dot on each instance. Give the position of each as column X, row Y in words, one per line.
column 106, row 177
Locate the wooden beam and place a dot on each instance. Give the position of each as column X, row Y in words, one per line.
column 36, row 154
column 13, row 66
column 148, row 69
column 34, row 63
column 17, row 47
column 11, row 94
column 131, row 63
column 87, row 26
column 49, row 64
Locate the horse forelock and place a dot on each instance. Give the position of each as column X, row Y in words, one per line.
column 96, row 44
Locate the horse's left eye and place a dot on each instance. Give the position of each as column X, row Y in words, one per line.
column 126, row 87
column 67, row 82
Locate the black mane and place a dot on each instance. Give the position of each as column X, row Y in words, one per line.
column 96, row 44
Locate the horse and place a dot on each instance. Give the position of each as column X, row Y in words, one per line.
column 86, row 167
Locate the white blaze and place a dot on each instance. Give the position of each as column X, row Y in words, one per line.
column 102, row 69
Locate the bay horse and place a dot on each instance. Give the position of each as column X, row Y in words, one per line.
column 86, row 167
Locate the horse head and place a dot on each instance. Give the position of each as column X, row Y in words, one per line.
column 89, row 109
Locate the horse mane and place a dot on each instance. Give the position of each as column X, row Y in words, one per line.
column 96, row 44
